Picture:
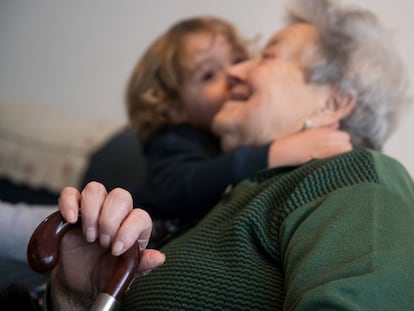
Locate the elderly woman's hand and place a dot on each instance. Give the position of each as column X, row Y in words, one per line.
column 108, row 222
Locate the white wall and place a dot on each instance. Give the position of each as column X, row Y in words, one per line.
column 77, row 55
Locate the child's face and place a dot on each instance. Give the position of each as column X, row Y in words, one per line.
column 205, row 85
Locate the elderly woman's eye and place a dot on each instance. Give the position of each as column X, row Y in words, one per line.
column 238, row 60
column 266, row 55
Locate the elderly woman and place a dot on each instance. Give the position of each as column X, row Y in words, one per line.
column 329, row 234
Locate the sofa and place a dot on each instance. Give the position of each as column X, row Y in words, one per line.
column 43, row 149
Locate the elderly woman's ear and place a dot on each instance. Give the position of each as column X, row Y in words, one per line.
column 340, row 103
column 337, row 107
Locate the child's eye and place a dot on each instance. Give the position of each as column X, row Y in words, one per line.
column 207, row 76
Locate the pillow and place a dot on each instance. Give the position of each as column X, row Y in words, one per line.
column 43, row 147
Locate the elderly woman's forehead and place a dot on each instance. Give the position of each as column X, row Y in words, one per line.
column 295, row 33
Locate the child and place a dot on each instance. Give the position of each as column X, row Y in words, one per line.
column 173, row 94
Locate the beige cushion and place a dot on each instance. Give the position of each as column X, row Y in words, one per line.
column 48, row 148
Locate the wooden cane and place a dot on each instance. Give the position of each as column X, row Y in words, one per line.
column 43, row 256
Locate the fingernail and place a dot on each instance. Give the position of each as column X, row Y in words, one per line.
column 162, row 259
column 146, row 272
column 71, row 216
column 90, row 235
column 105, row 240
column 142, row 244
column 117, row 248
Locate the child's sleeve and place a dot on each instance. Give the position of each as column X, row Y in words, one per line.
column 185, row 180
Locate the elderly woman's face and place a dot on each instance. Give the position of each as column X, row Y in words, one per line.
column 270, row 97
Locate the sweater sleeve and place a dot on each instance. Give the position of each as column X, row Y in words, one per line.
column 353, row 250
column 185, row 180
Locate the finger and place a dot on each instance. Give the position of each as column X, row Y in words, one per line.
column 116, row 209
column 345, row 136
column 329, row 134
column 68, row 202
column 341, row 141
column 335, row 148
column 137, row 226
column 92, row 200
column 150, row 259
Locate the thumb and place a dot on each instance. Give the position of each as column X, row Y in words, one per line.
column 150, row 259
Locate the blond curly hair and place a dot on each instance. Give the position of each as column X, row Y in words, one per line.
column 152, row 91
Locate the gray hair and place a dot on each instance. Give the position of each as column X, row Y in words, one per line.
column 358, row 58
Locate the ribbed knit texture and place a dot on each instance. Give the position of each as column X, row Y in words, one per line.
column 232, row 259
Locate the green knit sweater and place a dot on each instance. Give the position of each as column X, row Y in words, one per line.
column 335, row 234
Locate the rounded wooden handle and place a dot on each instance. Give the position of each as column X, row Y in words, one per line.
column 43, row 254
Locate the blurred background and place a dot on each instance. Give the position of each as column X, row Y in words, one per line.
column 76, row 56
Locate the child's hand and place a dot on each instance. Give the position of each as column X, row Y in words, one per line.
column 310, row 144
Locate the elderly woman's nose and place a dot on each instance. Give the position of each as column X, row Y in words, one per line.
column 236, row 74
column 239, row 71
column 233, row 80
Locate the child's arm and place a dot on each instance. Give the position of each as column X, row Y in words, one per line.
column 184, row 179
column 310, row 144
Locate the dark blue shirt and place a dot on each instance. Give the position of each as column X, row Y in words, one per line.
column 187, row 173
